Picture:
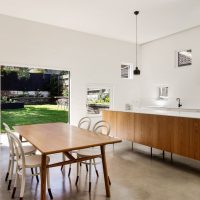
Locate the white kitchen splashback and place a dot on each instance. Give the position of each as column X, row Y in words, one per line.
column 158, row 68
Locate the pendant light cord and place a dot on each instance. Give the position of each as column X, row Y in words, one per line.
column 136, row 71
column 136, row 41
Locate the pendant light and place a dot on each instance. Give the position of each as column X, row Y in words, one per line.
column 136, row 71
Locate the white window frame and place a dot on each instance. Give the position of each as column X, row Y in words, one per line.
column 103, row 86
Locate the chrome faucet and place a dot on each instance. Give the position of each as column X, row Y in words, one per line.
column 179, row 102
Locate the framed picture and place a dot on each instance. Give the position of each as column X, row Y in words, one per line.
column 184, row 58
column 163, row 92
column 127, row 71
column 99, row 97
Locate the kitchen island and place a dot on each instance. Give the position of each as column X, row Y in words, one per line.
column 173, row 130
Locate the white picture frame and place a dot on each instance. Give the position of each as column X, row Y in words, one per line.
column 183, row 58
column 126, row 71
column 94, row 86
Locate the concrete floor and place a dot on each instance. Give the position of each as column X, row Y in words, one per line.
column 134, row 176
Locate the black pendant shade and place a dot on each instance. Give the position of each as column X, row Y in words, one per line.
column 136, row 70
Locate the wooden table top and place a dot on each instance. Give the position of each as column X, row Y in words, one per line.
column 58, row 137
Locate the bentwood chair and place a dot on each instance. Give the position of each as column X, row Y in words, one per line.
column 83, row 123
column 28, row 150
column 23, row 162
column 101, row 127
column 62, row 103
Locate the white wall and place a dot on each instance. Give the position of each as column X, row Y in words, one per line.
column 158, row 68
column 91, row 59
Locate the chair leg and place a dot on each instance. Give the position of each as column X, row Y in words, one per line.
column 48, row 184
column 23, row 184
column 63, row 158
column 6, row 178
column 37, row 178
column 11, row 173
column 13, row 193
column 15, row 184
column 109, row 180
column 86, row 167
column 69, row 172
column 97, row 173
column 50, row 193
column 90, row 175
column 7, row 174
column 151, row 152
column 77, row 176
column 132, row 146
column 163, row 155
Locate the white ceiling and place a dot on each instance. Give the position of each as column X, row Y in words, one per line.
column 110, row 18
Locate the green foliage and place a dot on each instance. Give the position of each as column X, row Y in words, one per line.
column 65, row 93
column 8, row 69
column 101, row 100
column 33, row 114
column 4, row 99
column 54, row 86
column 107, row 99
column 22, row 72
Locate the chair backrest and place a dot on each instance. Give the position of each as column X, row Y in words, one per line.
column 84, row 123
column 11, row 149
column 17, row 146
column 62, row 101
column 5, row 125
column 102, row 127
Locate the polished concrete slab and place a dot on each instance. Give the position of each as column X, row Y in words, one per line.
column 134, row 176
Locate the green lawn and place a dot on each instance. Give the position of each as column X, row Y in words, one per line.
column 33, row 114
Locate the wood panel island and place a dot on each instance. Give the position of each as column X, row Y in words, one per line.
column 173, row 131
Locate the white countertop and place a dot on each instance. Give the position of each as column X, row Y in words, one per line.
column 177, row 112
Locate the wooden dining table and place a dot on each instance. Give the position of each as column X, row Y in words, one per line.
column 54, row 138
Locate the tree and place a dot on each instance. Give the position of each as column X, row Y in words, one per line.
column 22, row 72
column 55, row 87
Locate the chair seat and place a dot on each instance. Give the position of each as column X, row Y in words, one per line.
column 33, row 161
column 29, row 149
column 16, row 134
column 88, row 152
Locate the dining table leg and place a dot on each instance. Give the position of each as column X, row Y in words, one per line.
column 43, row 177
column 105, row 171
